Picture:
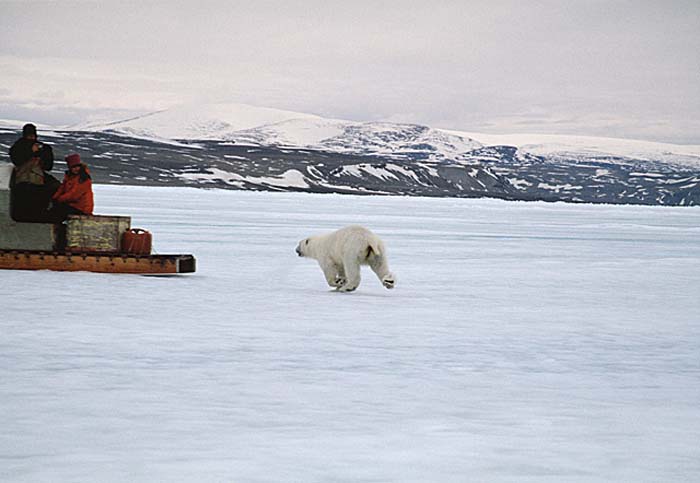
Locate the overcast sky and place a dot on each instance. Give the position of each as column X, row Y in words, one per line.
column 593, row 67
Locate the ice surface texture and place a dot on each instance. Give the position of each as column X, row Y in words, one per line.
column 526, row 342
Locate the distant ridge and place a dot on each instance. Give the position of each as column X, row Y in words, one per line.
column 246, row 124
column 236, row 146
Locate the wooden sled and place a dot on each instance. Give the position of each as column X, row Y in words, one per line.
column 83, row 243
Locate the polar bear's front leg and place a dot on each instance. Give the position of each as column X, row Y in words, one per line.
column 330, row 271
column 351, row 267
column 340, row 278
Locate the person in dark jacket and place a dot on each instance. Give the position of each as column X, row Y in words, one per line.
column 74, row 196
column 32, row 186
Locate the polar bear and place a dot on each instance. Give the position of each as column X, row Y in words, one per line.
column 341, row 253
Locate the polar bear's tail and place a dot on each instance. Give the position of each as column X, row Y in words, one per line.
column 374, row 248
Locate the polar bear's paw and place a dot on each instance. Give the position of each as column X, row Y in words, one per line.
column 388, row 281
column 347, row 288
column 339, row 281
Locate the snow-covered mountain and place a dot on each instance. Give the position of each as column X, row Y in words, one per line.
column 201, row 121
column 243, row 147
column 250, row 125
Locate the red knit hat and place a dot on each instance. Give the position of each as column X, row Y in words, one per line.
column 73, row 160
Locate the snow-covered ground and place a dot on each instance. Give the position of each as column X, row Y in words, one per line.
column 524, row 342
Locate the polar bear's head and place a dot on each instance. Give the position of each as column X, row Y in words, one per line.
column 304, row 247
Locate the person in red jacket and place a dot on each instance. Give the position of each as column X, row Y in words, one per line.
column 74, row 196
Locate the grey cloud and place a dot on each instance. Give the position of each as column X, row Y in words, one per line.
column 462, row 64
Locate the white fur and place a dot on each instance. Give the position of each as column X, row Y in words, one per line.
column 341, row 253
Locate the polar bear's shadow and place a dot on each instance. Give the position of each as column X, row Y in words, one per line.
column 356, row 293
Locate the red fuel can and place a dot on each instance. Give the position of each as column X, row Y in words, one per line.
column 137, row 242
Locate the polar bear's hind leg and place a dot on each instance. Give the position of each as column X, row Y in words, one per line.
column 389, row 281
column 380, row 267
